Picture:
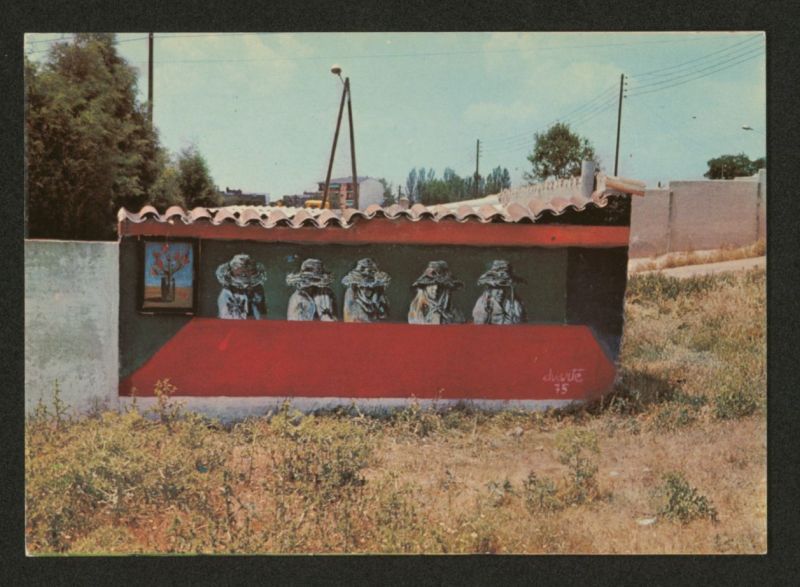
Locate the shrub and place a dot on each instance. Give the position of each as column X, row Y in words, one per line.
column 323, row 453
column 681, row 411
column 735, row 402
column 575, row 447
column 418, row 421
column 118, row 468
column 681, row 502
column 540, row 494
column 500, row 493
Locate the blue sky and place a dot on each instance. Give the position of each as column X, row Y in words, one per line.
column 262, row 107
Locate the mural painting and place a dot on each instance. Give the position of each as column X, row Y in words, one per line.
column 365, row 298
column 242, row 296
column 168, row 277
column 432, row 303
column 547, row 319
column 313, row 298
column 499, row 304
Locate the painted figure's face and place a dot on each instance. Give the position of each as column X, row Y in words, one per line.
column 496, row 293
column 368, row 291
column 432, row 290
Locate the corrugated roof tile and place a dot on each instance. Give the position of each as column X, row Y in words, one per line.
column 525, row 204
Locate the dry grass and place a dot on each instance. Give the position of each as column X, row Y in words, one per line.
column 670, row 260
column 690, row 400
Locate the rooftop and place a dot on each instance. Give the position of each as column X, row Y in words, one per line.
column 525, row 204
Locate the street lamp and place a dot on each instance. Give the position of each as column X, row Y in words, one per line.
column 336, row 70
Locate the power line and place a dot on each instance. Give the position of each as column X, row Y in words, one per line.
column 727, row 59
column 735, row 63
column 38, row 41
column 67, row 40
column 527, row 139
column 701, row 58
column 518, row 136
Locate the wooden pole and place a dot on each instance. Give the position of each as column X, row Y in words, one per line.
column 333, row 150
column 150, row 78
column 477, row 164
column 352, row 144
column 619, row 121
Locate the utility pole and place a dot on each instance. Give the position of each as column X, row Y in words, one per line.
column 150, row 78
column 352, row 143
column 477, row 163
column 619, row 121
column 333, row 150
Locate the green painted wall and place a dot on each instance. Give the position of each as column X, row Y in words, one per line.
column 544, row 294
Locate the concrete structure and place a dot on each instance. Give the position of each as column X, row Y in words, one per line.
column 71, row 322
column 696, row 215
column 370, row 190
column 570, row 265
column 73, row 297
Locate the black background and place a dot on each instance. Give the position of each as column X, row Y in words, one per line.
column 778, row 18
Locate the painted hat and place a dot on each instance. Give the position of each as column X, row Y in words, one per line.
column 312, row 274
column 241, row 271
column 500, row 274
column 437, row 273
column 367, row 274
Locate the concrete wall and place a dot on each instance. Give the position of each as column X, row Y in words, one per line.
column 650, row 224
column 370, row 191
column 696, row 215
column 711, row 214
column 71, row 322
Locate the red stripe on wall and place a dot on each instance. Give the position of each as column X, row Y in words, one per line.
column 272, row 358
column 382, row 230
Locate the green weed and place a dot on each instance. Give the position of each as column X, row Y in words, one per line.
column 681, row 502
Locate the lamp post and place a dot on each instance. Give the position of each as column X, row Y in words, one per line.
column 336, row 70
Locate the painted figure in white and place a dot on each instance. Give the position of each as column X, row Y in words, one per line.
column 242, row 296
column 499, row 304
column 313, row 298
column 432, row 303
column 365, row 298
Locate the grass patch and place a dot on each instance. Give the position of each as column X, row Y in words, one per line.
column 441, row 479
column 682, row 259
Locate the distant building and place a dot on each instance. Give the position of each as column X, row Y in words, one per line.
column 370, row 191
column 298, row 200
column 233, row 197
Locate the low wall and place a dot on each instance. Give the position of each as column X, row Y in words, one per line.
column 71, row 323
column 650, row 224
column 696, row 215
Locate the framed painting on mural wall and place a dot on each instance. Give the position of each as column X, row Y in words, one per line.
column 168, row 276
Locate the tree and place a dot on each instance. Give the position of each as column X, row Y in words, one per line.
column 388, row 194
column 425, row 188
column 558, row 154
column 730, row 166
column 194, row 181
column 88, row 145
column 166, row 191
column 411, row 184
column 498, row 180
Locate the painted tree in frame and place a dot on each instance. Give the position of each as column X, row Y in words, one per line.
column 168, row 280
